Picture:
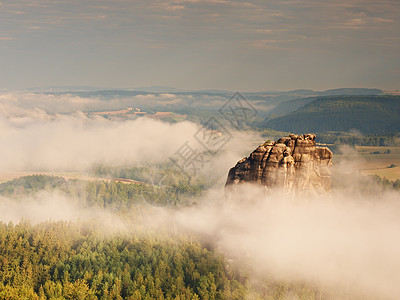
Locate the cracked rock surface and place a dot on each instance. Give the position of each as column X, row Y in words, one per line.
column 291, row 163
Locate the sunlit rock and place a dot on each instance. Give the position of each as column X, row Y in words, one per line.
column 290, row 163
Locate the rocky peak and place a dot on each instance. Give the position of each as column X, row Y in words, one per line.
column 292, row 163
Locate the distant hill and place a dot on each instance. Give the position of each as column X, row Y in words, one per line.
column 351, row 91
column 341, row 91
column 286, row 107
column 368, row 114
column 157, row 89
column 188, row 102
column 106, row 94
column 294, row 104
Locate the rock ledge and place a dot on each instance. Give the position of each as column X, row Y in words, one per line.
column 291, row 163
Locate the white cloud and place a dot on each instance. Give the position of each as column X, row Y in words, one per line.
column 46, row 132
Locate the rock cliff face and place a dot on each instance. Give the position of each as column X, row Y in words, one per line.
column 291, row 163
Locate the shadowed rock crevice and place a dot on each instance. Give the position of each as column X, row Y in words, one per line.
column 291, row 163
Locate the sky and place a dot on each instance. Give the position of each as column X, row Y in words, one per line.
column 200, row 44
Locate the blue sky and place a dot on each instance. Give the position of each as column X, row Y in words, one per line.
column 194, row 44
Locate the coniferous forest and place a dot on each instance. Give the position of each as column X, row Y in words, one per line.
column 63, row 260
column 94, row 258
column 90, row 259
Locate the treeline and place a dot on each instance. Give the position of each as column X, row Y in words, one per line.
column 386, row 183
column 163, row 174
column 105, row 194
column 73, row 261
column 343, row 138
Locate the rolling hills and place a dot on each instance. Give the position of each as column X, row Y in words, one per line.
column 378, row 114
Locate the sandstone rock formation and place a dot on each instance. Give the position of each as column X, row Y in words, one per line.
column 291, row 163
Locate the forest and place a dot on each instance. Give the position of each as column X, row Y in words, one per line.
column 370, row 115
column 64, row 260
column 87, row 260
column 110, row 194
column 343, row 138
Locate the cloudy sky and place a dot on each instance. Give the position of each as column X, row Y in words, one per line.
column 200, row 44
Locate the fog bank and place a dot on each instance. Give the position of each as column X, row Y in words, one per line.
column 341, row 241
column 34, row 139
